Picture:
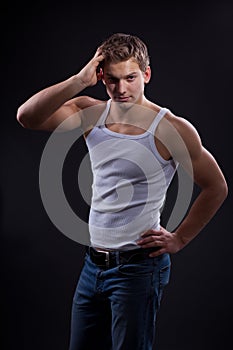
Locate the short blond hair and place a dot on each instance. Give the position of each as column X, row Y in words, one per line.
column 121, row 47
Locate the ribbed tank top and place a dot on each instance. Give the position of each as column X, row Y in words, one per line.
column 130, row 181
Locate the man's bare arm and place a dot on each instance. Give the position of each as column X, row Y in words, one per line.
column 49, row 107
column 186, row 147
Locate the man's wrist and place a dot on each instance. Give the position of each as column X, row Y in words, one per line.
column 181, row 239
column 77, row 84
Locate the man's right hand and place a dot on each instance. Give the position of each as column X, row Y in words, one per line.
column 89, row 75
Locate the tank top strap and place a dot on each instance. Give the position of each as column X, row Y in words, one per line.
column 102, row 118
column 157, row 119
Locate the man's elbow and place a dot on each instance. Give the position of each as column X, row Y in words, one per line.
column 21, row 117
column 222, row 190
column 225, row 190
column 24, row 118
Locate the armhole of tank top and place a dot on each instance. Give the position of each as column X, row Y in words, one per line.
column 152, row 130
column 101, row 120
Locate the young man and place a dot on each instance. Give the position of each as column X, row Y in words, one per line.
column 135, row 147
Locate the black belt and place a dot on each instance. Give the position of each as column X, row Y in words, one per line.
column 112, row 258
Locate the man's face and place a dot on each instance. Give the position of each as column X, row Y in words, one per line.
column 125, row 81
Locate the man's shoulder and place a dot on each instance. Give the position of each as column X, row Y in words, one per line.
column 91, row 110
column 176, row 132
column 83, row 102
column 179, row 122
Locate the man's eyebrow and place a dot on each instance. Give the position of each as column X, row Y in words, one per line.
column 128, row 75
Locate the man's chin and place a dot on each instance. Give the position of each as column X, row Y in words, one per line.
column 124, row 104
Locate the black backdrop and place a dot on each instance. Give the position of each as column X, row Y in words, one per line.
column 190, row 45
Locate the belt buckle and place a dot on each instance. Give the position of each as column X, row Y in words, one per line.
column 107, row 256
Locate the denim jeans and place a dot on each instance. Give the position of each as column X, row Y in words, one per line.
column 115, row 309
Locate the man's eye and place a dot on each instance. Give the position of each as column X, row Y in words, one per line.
column 112, row 80
column 131, row 77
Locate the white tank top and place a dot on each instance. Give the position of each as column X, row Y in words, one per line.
column 130, row 181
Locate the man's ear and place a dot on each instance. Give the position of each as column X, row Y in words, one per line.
column 147, row 75
column 100, row 74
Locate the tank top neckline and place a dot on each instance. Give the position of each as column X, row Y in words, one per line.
column 149, row 131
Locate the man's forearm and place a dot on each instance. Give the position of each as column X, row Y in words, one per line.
column 201, row 212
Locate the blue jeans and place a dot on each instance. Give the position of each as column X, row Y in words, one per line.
column 115, row 309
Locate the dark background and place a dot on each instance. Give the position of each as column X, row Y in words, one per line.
column 190, row 45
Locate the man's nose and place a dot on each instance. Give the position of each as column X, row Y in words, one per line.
column 121, row 86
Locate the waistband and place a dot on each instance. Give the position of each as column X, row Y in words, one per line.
column 112, row 258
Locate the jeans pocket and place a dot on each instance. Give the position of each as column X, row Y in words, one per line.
column 135, row 270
